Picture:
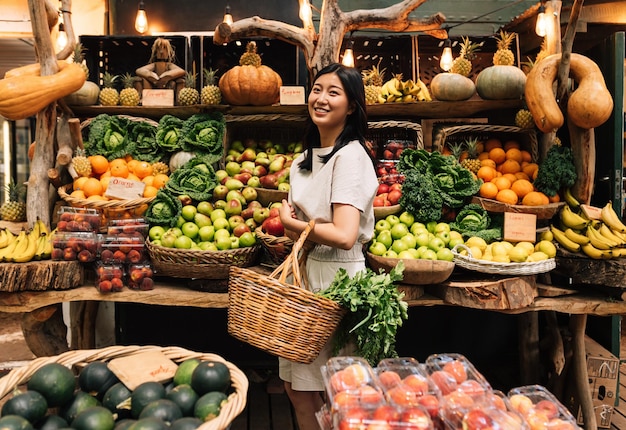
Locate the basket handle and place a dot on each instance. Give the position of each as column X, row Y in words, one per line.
column 291, row 263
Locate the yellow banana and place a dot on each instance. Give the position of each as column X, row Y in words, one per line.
column 43, row 228
column 29, row 252
column 619, row 234
column 9, row 250
column 563, row 240
column 19, row 248
column 581, row 239
column 571, row 219
column 605, row 231
column 4, row 238
column 391, row 86
column 381, row 99
column 41, row 244
column 595, row 253
column 47, row 251
column 596, row 240
column 424, row 90
column 407, row 98
column 610, row 218
column 569, row 198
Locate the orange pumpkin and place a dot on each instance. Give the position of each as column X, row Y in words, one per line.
column 250, row 83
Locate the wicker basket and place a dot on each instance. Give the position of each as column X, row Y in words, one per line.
column 483, row 266
column 198, row 264
column 381, row 131
column 235, row 404
column 416, row 271
column 278, row 248
column 104, row 205
column 283, row 319
column 542, row 211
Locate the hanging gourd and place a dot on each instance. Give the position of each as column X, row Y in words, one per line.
column 250, row 83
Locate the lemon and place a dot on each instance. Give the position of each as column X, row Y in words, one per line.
column 477, row 242
column 502, row 258
column 537, row 256
column 547, row 247
column 498, row 248
column 529, row 247
column 507, row 245
column 546, row 235
column 476, row 252
column 518, row 254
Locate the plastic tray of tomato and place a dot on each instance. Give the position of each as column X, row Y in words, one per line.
column 350, row 381
column 537, row 405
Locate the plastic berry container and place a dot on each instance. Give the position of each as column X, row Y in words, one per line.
column 351, row 381
column 140, row 276
column 540, row 407
column 109, row 277
column 451, row 372
column 132, row 227
column 73, row 219
column 75, row 246
column 123, row 249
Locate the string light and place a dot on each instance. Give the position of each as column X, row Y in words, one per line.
column 141, row 22
column 445, row 62
column 62, row 37
column 228, row 18
column 348, row 54
column 542, row 25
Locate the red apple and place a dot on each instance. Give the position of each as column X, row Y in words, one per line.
column 395, row 186
column 105, row 286
column 394, row 196
column 382, row 188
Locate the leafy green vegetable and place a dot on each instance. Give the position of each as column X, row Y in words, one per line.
column 142, row 141
column 556, row 171
column 107, row 136
column 376, row 310
column 168, row 135
column 164, row 209
column 196, row 178
column 474, row 220
column 204, row 133
column 432, row 181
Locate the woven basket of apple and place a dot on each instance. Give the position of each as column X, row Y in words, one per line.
column 271, row 234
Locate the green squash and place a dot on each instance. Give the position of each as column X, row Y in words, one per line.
column 452, row 87
column 501, row 83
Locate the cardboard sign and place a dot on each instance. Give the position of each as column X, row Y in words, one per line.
column 591, row 212
column 124, row 189
column 291, row 95
column 520, row 227
column 157, row 98
column 151, row 366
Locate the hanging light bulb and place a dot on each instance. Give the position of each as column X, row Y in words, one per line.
column 228, row 18
column 348, row 55
column 141, row 22
column 445, row 62
column 541, row 27
column 305, row 11
column 62, row 37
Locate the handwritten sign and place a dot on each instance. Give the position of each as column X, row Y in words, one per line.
column 151, row 366
column 124, row 189
column 291, row 95
column 157, row 97
column 591, row 212
column 520, row 227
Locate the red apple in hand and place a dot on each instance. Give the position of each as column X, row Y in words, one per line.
column 273, row 226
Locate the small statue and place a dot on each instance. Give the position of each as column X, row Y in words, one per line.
column 161, row 72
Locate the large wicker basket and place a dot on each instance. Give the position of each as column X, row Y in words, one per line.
column 235, row 404
column 283, row 319
column 198, row 264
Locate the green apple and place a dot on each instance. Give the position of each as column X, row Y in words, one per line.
column 442, row 226
column 249, row 194
column 406, row 255
column 211, row 247
column 221, row 233
column 168, row 240
column 443, row 235
column 421, row 250
column 202, row 220
column 247, row 239
column 422, row 239
column 204, row 246
column 235, row 195
column 234, row 221
column 430, row 226
column 385, row 238
column 205, row 208
column 399, row 245
column 221, row 224
column 399, row 230
column 180, row 221
column 217, row 213
column 284, row 186
column 156, row 232
column 390, row 253
column 220, row 175
column 157, row 242
column 190, row 229
column 436, row 244
column 409, row 239
column 176, row 231
column 222, row 243
column 260, row 214
column 407, row 218
column 377, row 248
column 251, row 223
column 392, row 219
column 414, row 253
column 188, row 212
column 455, row 235
column 428, row 254
column 381, row 225
column 206, row 233
column 219, row 204
column 254, row 181
column 445, row 254
column 183, row 242
column 232, row 168
column 234, row 242
column 417, row 228
column 454, row 241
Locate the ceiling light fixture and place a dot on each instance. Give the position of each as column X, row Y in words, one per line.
column 348, row 54
column 141, row 21
column 228, row 18
column 445, row 62
column 61, row 37
column 541, row 27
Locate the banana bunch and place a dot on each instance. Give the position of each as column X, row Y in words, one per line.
column 400, row 91
column 599, row 239
column 35, row 244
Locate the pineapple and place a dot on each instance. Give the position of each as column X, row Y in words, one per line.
column 78, row 58
column 189, row 95
column 81, row 163
column 504, row 56
column 456, row 150
column 15, row 209
column 109, row 95
column 524, row 119
column 160, row 167
column 471, row 163
column 543, row 52
column 211, row 94
column 463, row 63
column 250, row 57
column 129, row 96
column 373, row 81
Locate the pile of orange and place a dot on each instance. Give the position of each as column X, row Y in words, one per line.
column 102, row 170
column 508, row 173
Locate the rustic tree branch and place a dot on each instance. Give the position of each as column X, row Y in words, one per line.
column 566, row 51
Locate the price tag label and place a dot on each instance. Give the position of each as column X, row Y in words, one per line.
column 291, row 95
column 157, row 97
column 134, row 370
column 591, row 212
column 124, row 189
column 520, row 227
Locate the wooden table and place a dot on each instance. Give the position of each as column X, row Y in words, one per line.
column 45, row 332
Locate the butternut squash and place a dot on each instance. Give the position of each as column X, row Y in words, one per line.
column 27, row 93
column 33, row 69
column 589, row 105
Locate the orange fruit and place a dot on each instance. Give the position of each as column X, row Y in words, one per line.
column 555, row 198
column 160, row 180
column 92, row 187
column 148, row 180
column 483, row 156
column 521, row 187
column 530, row 169
column 133, row 177
column 142, row 169
column 78, row 194
column 522, row 175
column 128, row 157
column 99, row 164
column 514, row 154
column 117, row 161
column 488, row 190
column 511, row 144
column 149, row 191
column 510, row 166
column 486, row 173
column 535, row 198
column 510, row 176
column 498, row 155
column 79, row 182
column 507, row 196
column 97, row 198
column 488, row 162
column 104, row 180
column 502, row 183
column 492, row 143
column 526, row 156
column 132, row 164
column 119, row 170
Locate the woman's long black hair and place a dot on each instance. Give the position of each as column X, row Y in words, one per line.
column 356, row 123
